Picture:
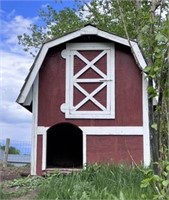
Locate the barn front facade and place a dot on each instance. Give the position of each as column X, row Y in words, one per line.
column 88, row 96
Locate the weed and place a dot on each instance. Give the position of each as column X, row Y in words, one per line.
column 93, row 182
column 97, row 182
column 19, row 187
column 159, row 183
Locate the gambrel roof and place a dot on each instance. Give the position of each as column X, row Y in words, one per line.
column 25, row 98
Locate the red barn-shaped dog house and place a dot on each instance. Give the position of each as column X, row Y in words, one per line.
column 87, row 93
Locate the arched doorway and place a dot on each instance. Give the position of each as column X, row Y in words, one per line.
column 64, row 146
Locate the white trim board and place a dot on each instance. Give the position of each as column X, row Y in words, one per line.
column 102, row 130
column 84, row 150
column 88, row 30
column 119, row 130
column 146, row 138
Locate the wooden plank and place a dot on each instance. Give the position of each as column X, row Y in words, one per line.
column 6, row 152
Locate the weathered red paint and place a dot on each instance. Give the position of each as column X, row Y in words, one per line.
column 39, row 155
column 128, row 91
column 114, row 149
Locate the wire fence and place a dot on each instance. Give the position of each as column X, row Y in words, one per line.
column 18, row 152
column 17, row 147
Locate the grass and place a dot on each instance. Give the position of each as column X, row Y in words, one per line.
column 96, row 182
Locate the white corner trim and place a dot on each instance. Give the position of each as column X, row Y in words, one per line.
column 146, row 133
column 44, row 145
column 34, row 126
column 41, row 130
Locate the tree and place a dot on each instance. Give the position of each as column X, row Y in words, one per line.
column 12, row 150
column 55, row 24
column 153, row 37
column 147, row 22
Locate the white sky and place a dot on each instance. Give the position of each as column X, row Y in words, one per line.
column 15, row 121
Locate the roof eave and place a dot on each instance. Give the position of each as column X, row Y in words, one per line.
column 88, row 30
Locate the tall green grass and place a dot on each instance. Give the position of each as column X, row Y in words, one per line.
column 97, row 182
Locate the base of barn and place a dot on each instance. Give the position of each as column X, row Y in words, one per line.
column 64, row 171
column 97, row 149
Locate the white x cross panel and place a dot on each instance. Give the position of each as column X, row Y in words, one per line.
column 89, row 65
column 90, row 96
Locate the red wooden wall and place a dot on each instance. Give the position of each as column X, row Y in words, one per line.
column 114, row 149
column 39, row 155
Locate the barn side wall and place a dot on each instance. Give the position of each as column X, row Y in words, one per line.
column 114, row 149
column 128, row 91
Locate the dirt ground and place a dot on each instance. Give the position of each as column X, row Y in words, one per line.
column 11, row 172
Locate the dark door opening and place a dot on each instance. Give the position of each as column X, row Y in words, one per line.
column 64, row 146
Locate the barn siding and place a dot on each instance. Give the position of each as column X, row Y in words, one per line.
column 39, row 155
column 128, row 91
column 114, row 149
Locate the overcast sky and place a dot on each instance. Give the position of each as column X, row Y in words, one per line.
column 15, row 18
